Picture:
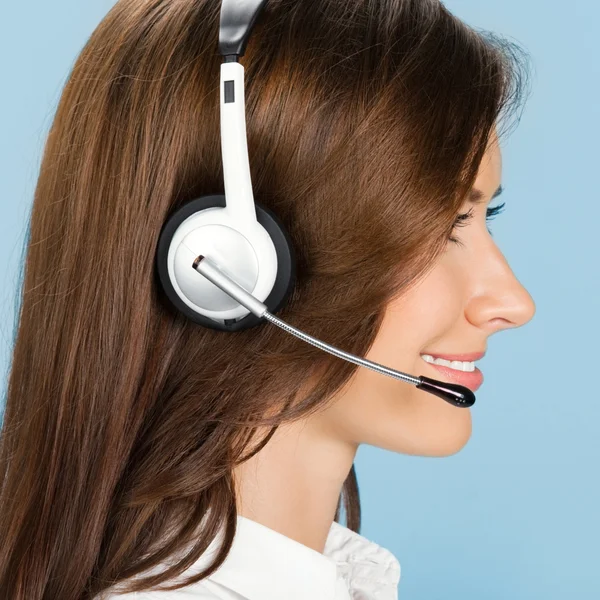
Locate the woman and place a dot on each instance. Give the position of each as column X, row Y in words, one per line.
column 141, row 452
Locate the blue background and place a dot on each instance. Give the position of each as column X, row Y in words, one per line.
column 515, row 513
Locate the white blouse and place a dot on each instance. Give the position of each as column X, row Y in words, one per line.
column 264, row 564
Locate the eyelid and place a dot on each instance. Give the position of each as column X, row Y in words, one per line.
column 464, row 218
column 491, row 212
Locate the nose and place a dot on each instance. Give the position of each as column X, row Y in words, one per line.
column 498, row 300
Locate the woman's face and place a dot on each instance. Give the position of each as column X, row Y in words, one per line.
column 470, row 294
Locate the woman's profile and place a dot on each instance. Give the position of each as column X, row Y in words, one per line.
column 146, row 457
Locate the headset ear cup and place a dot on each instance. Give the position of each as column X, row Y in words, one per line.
column 286, row 263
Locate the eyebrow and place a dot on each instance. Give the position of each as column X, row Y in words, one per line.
column 476, row 196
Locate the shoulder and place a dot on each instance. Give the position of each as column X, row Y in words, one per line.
column 203, row 590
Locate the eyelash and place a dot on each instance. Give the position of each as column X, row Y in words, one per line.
column 463, row 220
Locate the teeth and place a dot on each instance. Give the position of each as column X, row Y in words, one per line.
column 454, row 364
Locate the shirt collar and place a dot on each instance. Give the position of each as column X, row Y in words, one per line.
column 264, row 564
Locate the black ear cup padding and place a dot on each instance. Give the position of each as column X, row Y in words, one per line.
column 286, row 259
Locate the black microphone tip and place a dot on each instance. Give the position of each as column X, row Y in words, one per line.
column 457, row 395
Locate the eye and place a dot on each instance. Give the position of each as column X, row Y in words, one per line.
column 463, row 219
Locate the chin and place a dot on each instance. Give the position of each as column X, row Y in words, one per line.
column 443, row 431
column 456, row 437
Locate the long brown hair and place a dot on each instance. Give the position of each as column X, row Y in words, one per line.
column 366, row 122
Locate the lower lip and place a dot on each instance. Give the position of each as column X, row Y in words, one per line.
column 470, row 379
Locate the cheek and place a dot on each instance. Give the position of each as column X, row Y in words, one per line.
column 382, row 411
column 425, row 314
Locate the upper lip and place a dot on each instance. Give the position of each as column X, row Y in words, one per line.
column 467, row 357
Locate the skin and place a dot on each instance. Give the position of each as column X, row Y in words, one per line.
column 293, row 484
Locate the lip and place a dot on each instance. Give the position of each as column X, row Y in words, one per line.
column 469, row 357
column 470, row 379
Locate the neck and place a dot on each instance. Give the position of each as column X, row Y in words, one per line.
column 293, row 484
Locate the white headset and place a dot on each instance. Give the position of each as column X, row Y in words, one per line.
column 244, row 239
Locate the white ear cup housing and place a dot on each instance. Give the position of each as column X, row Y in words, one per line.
column 237, row 251
column 257, row 254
